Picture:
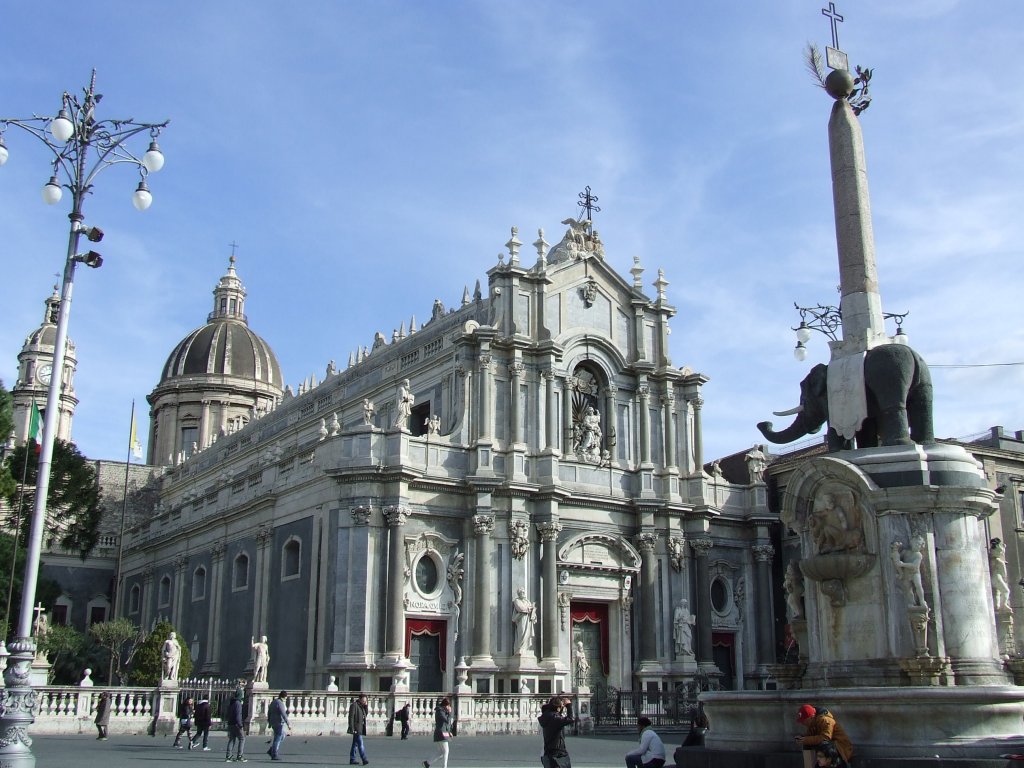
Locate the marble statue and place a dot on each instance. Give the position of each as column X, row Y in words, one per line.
column 518, row 534
column 524, row 616
column 907, row 563
column 682, row 629
column 403, row 405
column 42, row 627
column 834, row 528
column 261, row 659
column 587, row 435
column 756, row 463
column 997, row 569
column 171, row 656
column 581, row 664
column 368, row 412
column 433, row 424
column 793, row 586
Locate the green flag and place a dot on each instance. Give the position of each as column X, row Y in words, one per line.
column 35, row 427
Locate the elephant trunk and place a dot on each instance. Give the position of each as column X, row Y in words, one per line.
column 794, row 431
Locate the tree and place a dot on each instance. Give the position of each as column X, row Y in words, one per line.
column 60, row 644
column 148, row 665
column 121, row 639
column 73, row 502
column 7, row 484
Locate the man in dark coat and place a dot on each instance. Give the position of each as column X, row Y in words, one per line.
column 403, row 716
column 102, row 715
column 277, row 719
column 236, row 727
column 204, row 720
column 357, row 727
column 554, row 716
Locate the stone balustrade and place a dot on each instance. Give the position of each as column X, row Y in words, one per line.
column 71, row 709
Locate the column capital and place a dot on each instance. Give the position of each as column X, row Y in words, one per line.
column 361, row 514
column 180, row 562
column 263, row 536
column 612, row 389
column 483, row 524
column 396, row 515
column 516, row 369
column 701, row 547
column 549, row 375
column 460, row 370
column 763, row 553
column 218, row 549
column 147, row 573
column 697, row 402
column 485, row 361
column 646, row 542
column 644, row 391
column 549, row 531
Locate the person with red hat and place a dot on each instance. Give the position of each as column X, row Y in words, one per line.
column 821, row 726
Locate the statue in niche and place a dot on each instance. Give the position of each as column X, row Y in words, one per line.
column 581, row 664
column 403, row 405
column 368, row 412
column 524, row 616
column 907, row 563
column 835, row 526
column 587, row 435
column 793, row 586
column 997, row 569
column 682, row 629
column 757, row 462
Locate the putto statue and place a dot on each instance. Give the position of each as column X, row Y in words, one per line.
column 997, row 570
column 907, row 563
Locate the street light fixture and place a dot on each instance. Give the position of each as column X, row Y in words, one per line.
column 82, row 146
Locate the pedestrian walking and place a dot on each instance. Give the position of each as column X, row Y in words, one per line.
column 236, row 732
column 102, row 715
column 651, row 752
column 277, row 719
column 357, row 727
column 203, row 721
column 442, row 732
column 185, row 714
column 403, row 716
column 554, row 716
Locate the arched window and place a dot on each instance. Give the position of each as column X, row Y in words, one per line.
column 291, row 558
column 240, row 572
column 199, row 583
column 134, row 598
column 164, row 595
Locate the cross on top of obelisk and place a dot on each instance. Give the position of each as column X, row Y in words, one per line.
column 834, row 57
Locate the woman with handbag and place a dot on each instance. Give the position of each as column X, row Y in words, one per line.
column 442, row 732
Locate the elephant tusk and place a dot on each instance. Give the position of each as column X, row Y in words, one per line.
column 790, row 412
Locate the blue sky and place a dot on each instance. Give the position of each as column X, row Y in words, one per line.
column 371, row 157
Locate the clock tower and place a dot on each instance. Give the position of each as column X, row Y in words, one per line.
column 35, row 368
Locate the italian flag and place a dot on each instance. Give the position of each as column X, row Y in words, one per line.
column 35, row 427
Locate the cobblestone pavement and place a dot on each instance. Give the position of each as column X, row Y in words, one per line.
column 84, row 751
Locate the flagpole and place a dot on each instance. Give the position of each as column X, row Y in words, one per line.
column 124, row 512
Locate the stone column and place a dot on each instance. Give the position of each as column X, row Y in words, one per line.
column 180, row 565
column 646, row 542
column 147, row 596
column 567, row 415
column 551, row 411
column 698, row 437
column 515, row 371
column 701, row 547
column 668, row 402
column 483, row 525
column 394, row 639
column 549, row 574
column 216, row 589
column 262, row 578
column 645, row 423
column 763, row 554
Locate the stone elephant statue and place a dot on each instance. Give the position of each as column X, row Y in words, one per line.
column 898, row 388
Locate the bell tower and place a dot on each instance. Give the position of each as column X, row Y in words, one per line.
column 35, row 369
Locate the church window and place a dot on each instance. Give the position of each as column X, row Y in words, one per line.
column 719, row 595
column 61, row 610
column 223, row 306
column 233, row 306
column 199, row 583
column 291, row 557
column 97, row 609
column 240, row 572
column 418, row 418
column 426, row 575
column 189, row 437
column 164, row 595
column 134, row 598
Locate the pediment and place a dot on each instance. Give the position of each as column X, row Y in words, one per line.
column 599, row 552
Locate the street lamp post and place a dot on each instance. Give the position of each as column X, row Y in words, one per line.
column 82, row 146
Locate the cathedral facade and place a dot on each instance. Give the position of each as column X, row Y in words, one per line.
column 514, row 491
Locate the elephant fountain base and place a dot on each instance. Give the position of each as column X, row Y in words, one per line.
column 901, row 466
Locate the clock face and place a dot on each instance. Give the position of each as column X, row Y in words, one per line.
column 44, row 373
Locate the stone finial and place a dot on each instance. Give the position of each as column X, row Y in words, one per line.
column 465, row 295
column 412, row 325
column 661, row 284
column 513, row 245
column 637, row 271
column 477, row 295
column 542, row 247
